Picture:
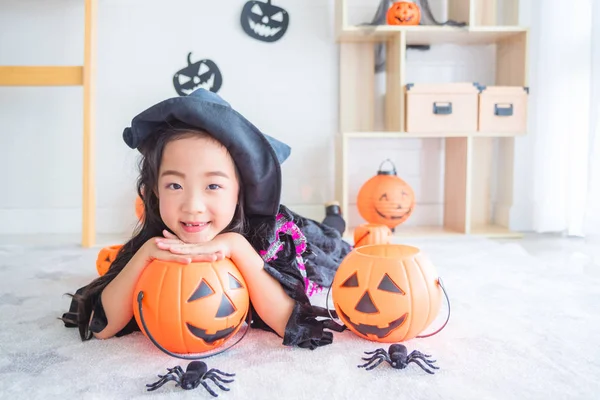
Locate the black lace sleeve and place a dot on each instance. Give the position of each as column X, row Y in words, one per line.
column 98, row 321
column 279, row 240
column 303, row 329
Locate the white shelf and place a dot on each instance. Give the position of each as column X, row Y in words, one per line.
column 431, row 35
column 472, row 160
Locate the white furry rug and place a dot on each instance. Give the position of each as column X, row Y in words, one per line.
column 521, row 328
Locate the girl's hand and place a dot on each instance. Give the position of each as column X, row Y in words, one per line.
column 217, row 249
column 153, row 252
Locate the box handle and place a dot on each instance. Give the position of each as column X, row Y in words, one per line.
column 503, row 110
column 444, row 108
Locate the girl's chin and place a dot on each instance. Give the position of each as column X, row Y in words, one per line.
column 200, row 237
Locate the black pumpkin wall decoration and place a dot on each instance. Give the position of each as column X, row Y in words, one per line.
column 202, row 74
column 264, row 21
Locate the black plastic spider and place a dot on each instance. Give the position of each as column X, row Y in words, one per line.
column 195, row 374
column 397, row 357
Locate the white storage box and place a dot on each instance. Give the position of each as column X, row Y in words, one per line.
column 439, row 108
column 503, row 109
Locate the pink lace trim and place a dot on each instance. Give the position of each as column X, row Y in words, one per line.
column 287, row 227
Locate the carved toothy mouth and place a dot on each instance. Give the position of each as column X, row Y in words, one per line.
column 201, row 333
column 373, row 329
column 391, row 216
column 208, row 85
column 263, row 30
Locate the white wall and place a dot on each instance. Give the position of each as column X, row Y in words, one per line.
column 288, row 89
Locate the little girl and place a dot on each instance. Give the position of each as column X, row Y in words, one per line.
column 211, row 185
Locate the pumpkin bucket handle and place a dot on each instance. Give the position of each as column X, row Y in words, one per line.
column 392, row 172
column 140, row 296
column 447, row 318
column 334, row 312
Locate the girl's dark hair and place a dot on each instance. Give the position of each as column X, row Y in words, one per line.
column 151, row 225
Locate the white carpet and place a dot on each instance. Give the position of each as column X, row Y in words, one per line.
column 521, row 328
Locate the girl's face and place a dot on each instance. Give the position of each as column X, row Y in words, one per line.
column 197, row 188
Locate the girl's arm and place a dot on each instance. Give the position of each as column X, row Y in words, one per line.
column 269, row 299
column 117, row 296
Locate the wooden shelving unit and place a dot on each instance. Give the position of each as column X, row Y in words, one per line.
column 469, row 170
column 72, row 76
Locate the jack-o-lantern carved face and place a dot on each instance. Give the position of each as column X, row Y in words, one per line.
column 394, row 202
column 386, row 199
column 366, row 305
column 404, row 13
column 106, row 257
column 192, row 308
column 202, row 74
column 264, row 21
column 386, row 292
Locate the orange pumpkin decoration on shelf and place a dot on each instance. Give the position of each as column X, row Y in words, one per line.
column 106, row 257
column 404, row 13
column 387, row 293
column 371, row 234
column 386, row 199
column 191, row 308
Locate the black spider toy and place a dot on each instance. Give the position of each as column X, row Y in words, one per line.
column 195, row 374
column 397, row 358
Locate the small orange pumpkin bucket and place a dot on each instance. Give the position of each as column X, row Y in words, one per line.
column 403, row 13
column 366, row 234
column 106, row 257
column 385, row 198
column 190, row 308
column 388, row 293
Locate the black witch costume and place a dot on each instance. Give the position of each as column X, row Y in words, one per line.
column 302, row 254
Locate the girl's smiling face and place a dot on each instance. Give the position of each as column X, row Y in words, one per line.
column 197, row 188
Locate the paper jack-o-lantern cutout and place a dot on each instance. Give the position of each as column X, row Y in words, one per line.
column 386, row 199
column 106, row 257
column 264, row 21
column 387, row 293
column 202, row 74
column 403, row 13
column 190, row 308
column 366, row 234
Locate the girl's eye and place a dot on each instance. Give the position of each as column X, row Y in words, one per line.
column 214, row 186
column 175, row 186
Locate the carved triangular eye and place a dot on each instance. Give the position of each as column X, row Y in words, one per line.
column 366, row 305
column 234, row 283
column 383, row 196
column 203, row 290
column 388, row 285
column 225, row 308
column 351, row 282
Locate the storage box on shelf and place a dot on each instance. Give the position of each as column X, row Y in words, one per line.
column 477, row 162
column 447, row 107
column 503, row 109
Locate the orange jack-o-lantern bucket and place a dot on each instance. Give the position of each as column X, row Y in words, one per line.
column 403, row 13
column 386, row 199
column 191, row 308
column 386, row 292
column 106, row 257
column 366, row 234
